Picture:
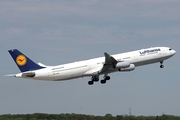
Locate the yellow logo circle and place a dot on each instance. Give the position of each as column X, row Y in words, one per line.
column 21, row 60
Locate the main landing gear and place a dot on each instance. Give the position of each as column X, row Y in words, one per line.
column 161, row 66
column 93, row 79
column 104, row 80
column 96, row 79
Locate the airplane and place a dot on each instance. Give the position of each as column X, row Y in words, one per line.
column 92, row 67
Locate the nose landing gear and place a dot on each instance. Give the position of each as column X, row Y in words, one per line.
column 161, row 66
column 93, row 79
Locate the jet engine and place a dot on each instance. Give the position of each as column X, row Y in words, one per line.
column 130, row 68
column 124, row 64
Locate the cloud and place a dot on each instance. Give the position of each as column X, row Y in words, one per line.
column 96, row 8
column 89, row 21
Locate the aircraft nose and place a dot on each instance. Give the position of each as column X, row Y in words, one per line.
column 173, row 52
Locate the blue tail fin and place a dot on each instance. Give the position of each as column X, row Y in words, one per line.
column 23, row 62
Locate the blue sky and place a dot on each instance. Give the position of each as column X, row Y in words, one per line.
column 56, row 32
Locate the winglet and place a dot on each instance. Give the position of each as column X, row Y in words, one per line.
column 23, row 62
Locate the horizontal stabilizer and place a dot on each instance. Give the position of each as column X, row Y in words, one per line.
column 25, row 74
column 28, row 74
column 10, row 75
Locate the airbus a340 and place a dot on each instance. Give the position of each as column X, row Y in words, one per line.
column 90, row 68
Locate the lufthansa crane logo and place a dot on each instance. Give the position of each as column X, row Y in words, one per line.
column 21, row 60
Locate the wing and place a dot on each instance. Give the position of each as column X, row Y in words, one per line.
column 110, row 62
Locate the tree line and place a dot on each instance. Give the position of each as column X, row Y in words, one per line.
column 42, row 116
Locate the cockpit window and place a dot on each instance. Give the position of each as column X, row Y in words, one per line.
column 170, row 49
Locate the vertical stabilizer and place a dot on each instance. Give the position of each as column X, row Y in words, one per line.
column 23, row 62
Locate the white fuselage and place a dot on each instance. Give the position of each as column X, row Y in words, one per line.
column 92, row 66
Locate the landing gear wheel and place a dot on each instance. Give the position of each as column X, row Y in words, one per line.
column 90, row 82
column 103, row 81
column 95, row 78
column 161, row 66
column 107, row 78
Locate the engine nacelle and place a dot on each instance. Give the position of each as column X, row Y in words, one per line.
column 124, row 64
column 130, row 68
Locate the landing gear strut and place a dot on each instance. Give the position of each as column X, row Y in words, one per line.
column 161, row 66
